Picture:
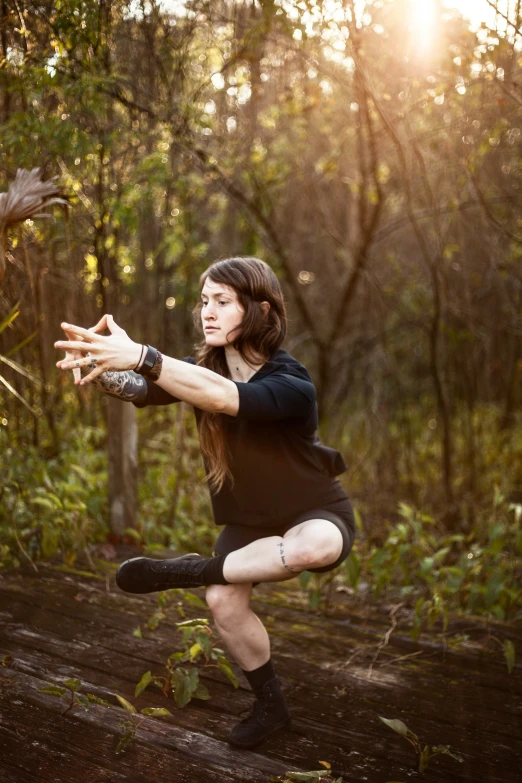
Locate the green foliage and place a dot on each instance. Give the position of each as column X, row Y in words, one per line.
column 424, row 754
column 198, row 650
column 173, row 500
column 318, row 588
column 70, row 690
column 478, row 573
column 57, row 506
column 130, row 726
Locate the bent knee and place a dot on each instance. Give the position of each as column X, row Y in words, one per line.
column 317, row 550
column 228, row 601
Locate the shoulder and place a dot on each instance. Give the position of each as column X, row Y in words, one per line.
column 282, row 363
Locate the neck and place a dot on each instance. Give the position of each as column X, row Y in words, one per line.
column 239, row 368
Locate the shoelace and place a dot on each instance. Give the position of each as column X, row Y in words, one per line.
column 186, row 570
column 259, row 713
column 261, row 708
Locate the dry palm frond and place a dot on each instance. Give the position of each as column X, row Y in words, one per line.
column 26, row 196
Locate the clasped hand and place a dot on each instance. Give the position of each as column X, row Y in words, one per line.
column 114, row 352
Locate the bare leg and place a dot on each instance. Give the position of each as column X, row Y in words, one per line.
column 242, row 631
column 311, row 544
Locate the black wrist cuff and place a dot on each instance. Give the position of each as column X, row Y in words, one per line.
column 151, row 364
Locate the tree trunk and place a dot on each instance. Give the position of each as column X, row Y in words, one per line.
column 123, row 464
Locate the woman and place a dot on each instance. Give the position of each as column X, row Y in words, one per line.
column 272, row 483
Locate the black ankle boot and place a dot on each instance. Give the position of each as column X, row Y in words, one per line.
column 270, row 713
column 146, row 575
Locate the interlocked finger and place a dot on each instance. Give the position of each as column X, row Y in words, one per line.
column 74, row 363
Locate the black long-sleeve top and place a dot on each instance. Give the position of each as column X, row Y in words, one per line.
column 279, row 465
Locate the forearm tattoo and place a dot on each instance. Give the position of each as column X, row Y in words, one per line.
column 126, row 385
column 283, row 559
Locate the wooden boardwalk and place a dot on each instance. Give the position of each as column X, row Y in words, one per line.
column 59, row 624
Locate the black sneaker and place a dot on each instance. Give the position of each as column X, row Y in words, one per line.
column 270, row 713
column 146, row 575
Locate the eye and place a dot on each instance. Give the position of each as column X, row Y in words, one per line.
column 223, row 303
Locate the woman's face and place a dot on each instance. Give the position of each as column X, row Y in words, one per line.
column 221, row 313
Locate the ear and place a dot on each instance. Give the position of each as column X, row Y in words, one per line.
column 265, row 306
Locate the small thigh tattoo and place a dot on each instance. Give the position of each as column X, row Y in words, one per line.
column 283, row 559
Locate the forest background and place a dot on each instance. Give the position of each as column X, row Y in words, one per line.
column 380, row 179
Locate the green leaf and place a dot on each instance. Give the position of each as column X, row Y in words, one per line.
column 143, row 683
column 424, row 758
column 353, row 568
column 73, row 685
column 509, row 654
column 193, row 679
column 155, row 619
column 130, row 531
column 84, row 474
column 127, row 737
column 181, row 686
column 396, row 725
column 446, row 750
column 124, row 703
column 205, row 642
column 201, row 692
column 53, row 690
column 226, row 668
column 193, row 623
column 426, row 564
column 44, row 502
column 82, row 700
column 441, row 554
column 97, row 700
column 314, row 597
column 194, row 600
column 156, row 712
column 304, row 579
column 194, row 651
column 137, row 632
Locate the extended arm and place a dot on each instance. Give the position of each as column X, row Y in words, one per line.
column 117, row 354
column 202, row 388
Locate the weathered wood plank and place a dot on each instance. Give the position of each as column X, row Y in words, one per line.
column 85, row 650
column 326, row 653
column 190, row 752
column 52, row 635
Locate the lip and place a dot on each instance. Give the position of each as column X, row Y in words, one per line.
column 211, row 328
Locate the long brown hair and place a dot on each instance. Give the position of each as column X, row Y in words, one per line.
column 259, row 335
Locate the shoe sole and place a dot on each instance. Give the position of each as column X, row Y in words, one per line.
column 266, row 736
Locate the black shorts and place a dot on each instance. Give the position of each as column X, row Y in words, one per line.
column 234, row 537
